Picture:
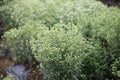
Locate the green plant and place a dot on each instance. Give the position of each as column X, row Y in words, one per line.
column 10, row 77
column 105, row 29
column 51, row 12
column 43, row 12
column 17, row 41
column 61, row 51
column 116, row 67
column 68, row 37
column 98, row 64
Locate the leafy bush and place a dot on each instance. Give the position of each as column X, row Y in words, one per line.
column 50, row 12
column 82, row 41
column 98, row 65
column 116, row 67
column 61, row 52
column 36, row 10
column 3, row 5
column 104, row 28
column 62, row 48
column 18, row 42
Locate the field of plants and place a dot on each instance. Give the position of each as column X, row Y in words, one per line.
column 59, row 40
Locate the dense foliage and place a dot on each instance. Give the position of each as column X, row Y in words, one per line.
column 19, row 43
column 51, row 12
column 72, row 39
column 61, row 52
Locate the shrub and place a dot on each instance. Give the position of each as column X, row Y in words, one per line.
column 61, row 52
column 107, row 26
column 116, row 67
column 98, row 65
column 18, row 42
column 43, row 12
column 49, row 12
column 104, row 28
column 82, row 35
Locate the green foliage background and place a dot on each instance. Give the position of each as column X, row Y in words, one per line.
column 72, row 39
